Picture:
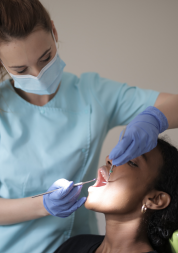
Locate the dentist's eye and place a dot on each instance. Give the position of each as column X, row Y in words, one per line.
column 23, row 71
column 130, row 163
column 49, row 57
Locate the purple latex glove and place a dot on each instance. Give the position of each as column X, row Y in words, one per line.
column 140, row 136
column 63, row 202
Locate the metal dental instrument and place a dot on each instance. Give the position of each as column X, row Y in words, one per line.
column 111, row 170
column 81, row 183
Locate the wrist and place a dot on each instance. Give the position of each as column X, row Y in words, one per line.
column 42, row 210
column 159, row 116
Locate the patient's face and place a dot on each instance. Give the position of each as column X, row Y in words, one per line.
column 127, row 186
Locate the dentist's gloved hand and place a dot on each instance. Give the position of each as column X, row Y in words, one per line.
column 140, row 136
column 63, row 202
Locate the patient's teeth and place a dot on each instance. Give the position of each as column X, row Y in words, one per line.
column 103, row 175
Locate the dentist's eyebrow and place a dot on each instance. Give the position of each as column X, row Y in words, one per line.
column 44, row 53
column 24, row 66
column 18, row 67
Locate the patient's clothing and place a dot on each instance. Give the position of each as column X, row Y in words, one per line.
column 83, row 244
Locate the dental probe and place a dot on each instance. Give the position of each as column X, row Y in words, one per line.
column 111, row 170
column 81, row 183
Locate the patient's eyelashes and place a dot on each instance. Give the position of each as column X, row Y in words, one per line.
column 130, row 163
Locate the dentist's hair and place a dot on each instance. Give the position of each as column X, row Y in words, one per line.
column 18, row 18
column 163, row 223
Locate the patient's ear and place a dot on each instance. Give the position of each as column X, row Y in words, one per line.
column 157, row 200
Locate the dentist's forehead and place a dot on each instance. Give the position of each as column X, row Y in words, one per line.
column 22, row 51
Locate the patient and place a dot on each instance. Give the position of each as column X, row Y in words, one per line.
column 140, row 203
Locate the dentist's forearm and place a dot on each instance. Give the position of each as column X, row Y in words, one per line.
column 19, row 210
column 168, row 104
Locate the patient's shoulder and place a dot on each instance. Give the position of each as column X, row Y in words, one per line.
column 81, row 243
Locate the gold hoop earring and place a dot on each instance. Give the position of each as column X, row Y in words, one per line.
column 144, row 208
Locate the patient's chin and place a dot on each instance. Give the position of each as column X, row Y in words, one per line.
column 94, row 204
column 88, row 204
column 97, row 204
column 91, row 205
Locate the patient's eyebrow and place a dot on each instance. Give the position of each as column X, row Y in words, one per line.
column 144, row 157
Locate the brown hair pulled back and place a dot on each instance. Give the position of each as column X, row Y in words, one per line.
column 18, row 18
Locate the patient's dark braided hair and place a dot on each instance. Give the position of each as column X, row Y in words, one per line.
column 163, row 223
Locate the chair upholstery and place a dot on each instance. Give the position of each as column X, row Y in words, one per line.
column 174, row 242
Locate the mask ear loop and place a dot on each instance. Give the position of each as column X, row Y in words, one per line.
column 57, row 46
column 2, row 64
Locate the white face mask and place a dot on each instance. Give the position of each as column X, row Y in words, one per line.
column 46, row 82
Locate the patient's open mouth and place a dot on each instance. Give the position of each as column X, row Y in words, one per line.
column 102, row 177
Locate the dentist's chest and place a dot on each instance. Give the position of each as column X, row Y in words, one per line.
column 39, row 146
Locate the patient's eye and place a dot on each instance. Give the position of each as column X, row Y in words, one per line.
column 130, row 163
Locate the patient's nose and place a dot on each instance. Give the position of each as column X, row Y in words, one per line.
column 108, row 161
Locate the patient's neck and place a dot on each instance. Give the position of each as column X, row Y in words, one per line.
column 124, row 235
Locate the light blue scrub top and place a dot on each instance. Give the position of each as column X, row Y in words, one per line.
column 62, row 139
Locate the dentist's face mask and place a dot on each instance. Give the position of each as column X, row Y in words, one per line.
column 46, row 82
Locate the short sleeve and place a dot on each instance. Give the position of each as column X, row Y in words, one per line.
column 121, row 102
